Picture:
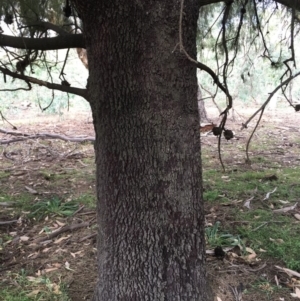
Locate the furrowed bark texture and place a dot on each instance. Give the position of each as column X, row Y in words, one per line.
column 143, row 94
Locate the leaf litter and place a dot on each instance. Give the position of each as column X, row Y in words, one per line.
column 232, row 277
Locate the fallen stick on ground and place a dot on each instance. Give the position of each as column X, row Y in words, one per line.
column 8, row 222
column 25, row 136
column 61, row 230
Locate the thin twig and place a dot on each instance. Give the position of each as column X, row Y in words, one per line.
column 244, row 125
column 249, row 140
column 61, row 230
column 198, row 64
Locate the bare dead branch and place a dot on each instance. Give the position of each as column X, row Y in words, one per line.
column 8, row 222
column 29, row 79
column 88, row 237
column 286, row 82
column 266, row 51
column 250, row 138
column 24, row 136
column 60, row 231
column 261, row 109
column 212, row 96
column 4, row 119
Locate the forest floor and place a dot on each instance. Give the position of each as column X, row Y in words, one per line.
column 48, row 221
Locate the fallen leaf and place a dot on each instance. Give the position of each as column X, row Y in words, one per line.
column 297, row 292
column 33, row 293
column 31, row 278
column 31, row 190
column 283, row 202
column 50, row 270
column 285, row 209
column 249, row 250
column 247, row 202
column 60, row 223
column 269, row 193
column 262, row 250
column 277, row 240
column 288, row 271
column 61, row 239
column 32, row 254
column 24, row 238
column 56, row 289
column 67, row 266
column 297, row 216
column 46, row 250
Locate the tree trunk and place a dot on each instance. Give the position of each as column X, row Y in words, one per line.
column 201, row 107
column 142, row 92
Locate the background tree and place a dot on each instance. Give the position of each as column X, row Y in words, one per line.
column 142, row 89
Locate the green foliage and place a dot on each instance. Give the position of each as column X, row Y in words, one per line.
column 53, row 206
column 32, row 288
column 259, row 228
column 29, row 11
column 273, row 233
column 211, row 195
column 264, row 286
column 214, row 238
column 87, row 199
column 255, row 64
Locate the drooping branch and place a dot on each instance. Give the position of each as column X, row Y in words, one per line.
column 287, row 3
column 212, row 96
column 266, row 49
column 198, row 64
column 33, row 80
column 284, row 83
column 60, row 42
column 224, row 44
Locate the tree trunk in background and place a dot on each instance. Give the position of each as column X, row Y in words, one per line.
column 83, row 57
column 151, row 243
column 201, row 107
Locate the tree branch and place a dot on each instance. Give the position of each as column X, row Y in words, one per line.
column 199, row 65
column 33, row 80
column 286, row 82
column 59, row 42
column 288, row 3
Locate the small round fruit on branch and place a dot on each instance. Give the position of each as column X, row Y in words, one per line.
column 228, row 134
column 217, row 131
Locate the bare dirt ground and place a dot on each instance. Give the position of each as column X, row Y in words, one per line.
column 44, row 168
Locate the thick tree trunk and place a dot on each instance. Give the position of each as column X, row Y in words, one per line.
column 143, row 97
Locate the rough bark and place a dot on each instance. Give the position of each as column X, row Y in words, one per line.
column 143, row 95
